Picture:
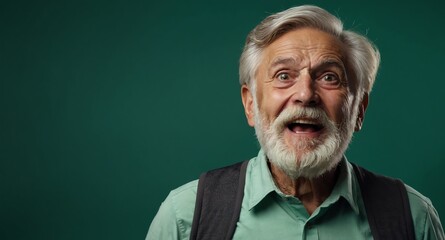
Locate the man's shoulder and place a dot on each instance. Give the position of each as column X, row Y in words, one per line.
column 174, row 217
column 421, row 206
column 416, row 197
column 425, row 217
column 184, row 195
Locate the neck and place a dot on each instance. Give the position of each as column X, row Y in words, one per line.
column 311, row 192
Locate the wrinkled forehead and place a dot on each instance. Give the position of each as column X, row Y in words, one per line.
column 303, row 45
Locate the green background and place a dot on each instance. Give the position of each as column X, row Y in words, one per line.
column 108, row 105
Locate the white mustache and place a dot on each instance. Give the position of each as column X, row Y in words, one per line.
column 291, row 114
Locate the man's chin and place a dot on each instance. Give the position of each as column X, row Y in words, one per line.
column 306, row 158
column 311, row 169
column 303, row 146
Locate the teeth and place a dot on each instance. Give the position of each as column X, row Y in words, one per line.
column 304, row 121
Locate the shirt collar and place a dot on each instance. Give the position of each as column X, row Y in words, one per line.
column 262, row 183
column 345, row 187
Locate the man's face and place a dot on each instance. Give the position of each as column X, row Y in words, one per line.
column 303, row 111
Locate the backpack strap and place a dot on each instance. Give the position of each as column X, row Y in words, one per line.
column 218, row 202
column 387, row 205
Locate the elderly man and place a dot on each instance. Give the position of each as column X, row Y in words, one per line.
column 304, row 85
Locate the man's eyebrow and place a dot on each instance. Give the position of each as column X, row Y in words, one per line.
column 280, row 61
column 331, row 62
column 283, row 61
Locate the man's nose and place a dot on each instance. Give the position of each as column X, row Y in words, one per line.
column 304, row 91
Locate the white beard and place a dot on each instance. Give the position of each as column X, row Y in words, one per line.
column 309, row 158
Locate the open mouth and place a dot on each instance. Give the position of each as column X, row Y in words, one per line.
column 304, row 126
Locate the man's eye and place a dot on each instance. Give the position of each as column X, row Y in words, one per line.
column 329, row 78
column 283, row 76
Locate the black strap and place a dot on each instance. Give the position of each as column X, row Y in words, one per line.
column 387, row 206
column 220, row 194
column 218, row 202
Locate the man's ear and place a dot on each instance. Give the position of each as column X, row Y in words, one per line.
column 247, row 98
column 361, row 112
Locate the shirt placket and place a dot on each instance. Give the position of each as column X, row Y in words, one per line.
column 305, row 225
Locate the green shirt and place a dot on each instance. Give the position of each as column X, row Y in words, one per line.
column 267, row 213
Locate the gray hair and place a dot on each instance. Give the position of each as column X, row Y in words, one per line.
column 362, row 56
